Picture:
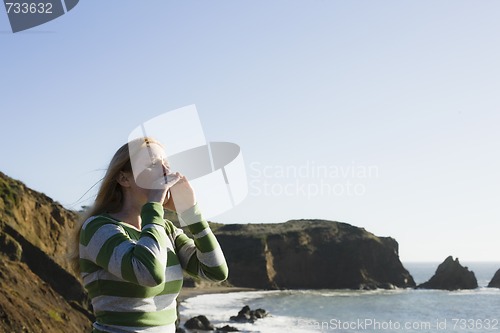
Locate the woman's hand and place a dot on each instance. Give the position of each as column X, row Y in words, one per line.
column 182, row 196
column 159, row 188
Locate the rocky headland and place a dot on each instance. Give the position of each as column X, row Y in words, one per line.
column 311, row 254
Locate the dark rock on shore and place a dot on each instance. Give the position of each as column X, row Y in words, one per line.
column 495, row 281
column 245, row 315
column 311, row 254
column 199, row 323
column 451, row 275
column 227, row 328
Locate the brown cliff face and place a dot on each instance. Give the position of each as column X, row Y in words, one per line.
column 38, row 293
column 41, row 220
column 312, row 254
column 29, row 304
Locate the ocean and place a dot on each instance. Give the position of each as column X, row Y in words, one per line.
column 400, row 310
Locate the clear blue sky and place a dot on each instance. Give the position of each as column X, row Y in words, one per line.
column 406, row 92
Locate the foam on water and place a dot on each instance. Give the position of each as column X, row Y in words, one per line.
column 295, row 311
column 220, row 307
column 300, row 311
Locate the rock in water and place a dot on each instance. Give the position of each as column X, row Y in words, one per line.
column 199, row 323
column 227, row 328
column 450, row 275
column 495, row 281
column 245, row 315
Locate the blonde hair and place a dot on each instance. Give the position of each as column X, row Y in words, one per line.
column 109, row 198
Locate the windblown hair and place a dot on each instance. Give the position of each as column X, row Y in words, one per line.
column 109, row 198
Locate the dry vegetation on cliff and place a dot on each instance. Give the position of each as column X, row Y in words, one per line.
column 39, row 294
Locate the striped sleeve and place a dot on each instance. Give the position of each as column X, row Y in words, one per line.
column 201, row 257
column 106, row 244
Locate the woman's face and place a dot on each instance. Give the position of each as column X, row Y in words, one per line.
column 149, row 166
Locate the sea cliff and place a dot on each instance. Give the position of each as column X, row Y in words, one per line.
column 311, row 254
column 39, row 293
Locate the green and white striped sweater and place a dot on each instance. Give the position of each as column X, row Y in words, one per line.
column 134, row 276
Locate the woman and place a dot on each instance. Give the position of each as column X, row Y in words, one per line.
column 130, row 258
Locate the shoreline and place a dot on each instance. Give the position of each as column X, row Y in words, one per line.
column 189, row 292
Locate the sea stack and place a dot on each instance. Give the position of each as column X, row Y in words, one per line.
column 495, row 281
column 451, row 275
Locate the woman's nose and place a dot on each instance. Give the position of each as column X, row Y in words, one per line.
column 165, row 168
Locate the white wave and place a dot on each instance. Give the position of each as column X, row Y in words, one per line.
column 297, row 311
column 220, row 307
